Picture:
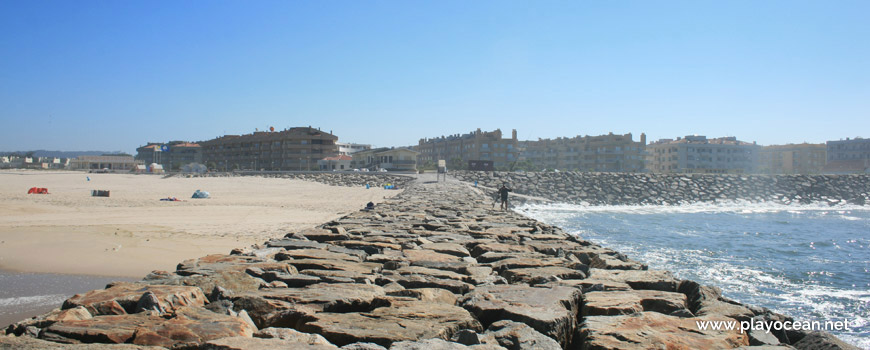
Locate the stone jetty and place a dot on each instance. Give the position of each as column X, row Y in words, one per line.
column 436, row 267
column 347, row 179
column 657, row 189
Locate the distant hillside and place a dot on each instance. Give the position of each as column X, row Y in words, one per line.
column 61, row 154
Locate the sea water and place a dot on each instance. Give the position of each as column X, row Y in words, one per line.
column 811, row 262
column 24, row 295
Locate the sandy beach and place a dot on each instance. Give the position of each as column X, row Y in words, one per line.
column 132, row 232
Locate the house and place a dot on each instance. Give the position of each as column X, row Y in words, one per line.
column 393, row 159
column 340, row 162
column 104, row 163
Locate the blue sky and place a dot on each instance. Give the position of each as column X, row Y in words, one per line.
column 113, row 75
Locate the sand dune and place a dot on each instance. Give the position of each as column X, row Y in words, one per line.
column 132, row 232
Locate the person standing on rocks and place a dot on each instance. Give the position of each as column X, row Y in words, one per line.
column 503, row 193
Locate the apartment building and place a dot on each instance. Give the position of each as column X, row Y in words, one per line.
column 848, row 156
column 611, row 152
column 698, row 154
column 804, row 158
column 171, row 155
column 478, row 145
column 291, row 149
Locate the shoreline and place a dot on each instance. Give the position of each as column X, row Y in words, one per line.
column 28, row 294
column 436, row 260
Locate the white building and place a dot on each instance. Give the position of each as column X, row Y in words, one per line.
column 393, row 159
column 346, row 149
column 698, row 154
column 338, row 163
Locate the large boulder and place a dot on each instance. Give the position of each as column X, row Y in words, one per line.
column 539, row 275
column 629, row 302
column 186, row 326
column 245, row 343
column 299, row 254
column 292, row 335
column 638, row 279
column 417, row 256
column 427, row 281
column 433, row 295
column 123, row 298
column 403, row 320
column 323, row 235
column 550, row 311
column 495, row 247
column 286, row 307
column 229, row 279
column 652, row 330
column 334, row 264
column 708, row 301
column 518, row 336
column 440, row 344
column 822, row 341
column 447, row 248
column 28, row 343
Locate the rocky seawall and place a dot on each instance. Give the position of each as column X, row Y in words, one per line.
column 435, row 267
column 347, row 179
column 641, row 188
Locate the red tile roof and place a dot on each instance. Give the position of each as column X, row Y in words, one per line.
column 188, row 144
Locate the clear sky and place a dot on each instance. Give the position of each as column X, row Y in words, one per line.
column 113, row 75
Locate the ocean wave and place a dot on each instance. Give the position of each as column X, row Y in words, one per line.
column 738, row 207
column 31, row 301
column 803, row 260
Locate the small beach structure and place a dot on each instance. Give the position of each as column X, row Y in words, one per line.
column 37, row 190
column 155, row 168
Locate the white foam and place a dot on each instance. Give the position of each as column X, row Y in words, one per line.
column 34, row 300
column 761, row 285
column 738, row 206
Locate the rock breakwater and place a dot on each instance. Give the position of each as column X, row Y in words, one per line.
column 436, row 267
column 347, row 179
column 641, row 188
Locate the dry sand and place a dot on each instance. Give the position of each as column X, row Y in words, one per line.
column 132, row 232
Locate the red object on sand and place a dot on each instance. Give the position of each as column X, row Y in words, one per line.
column 38, row 190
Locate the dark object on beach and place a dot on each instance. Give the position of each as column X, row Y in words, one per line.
column 200, row 194
column 37, row 190
column 99, row 193
column 370, row 206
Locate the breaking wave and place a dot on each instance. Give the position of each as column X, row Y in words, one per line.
column 810, row 261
